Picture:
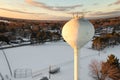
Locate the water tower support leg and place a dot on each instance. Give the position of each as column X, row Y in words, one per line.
column 76, row 64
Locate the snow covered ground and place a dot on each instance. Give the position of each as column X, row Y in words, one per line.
column 38, row 58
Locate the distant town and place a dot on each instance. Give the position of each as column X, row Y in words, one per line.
column 19, row 31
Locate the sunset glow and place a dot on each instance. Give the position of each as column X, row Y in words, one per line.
column 58, row 9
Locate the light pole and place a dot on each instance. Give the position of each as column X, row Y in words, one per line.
column 77, row 32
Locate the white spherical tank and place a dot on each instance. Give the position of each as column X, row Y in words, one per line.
column 77, row 32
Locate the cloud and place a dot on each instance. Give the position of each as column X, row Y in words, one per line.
column 95, row 4
column 53, row 8
column 20, row 11
column 118, row 9
column 115, row 3
column 106, row 14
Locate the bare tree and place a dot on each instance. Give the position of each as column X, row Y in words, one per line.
column 104, row 71
column 95, row 68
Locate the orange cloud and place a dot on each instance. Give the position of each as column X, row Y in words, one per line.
column 23, row 15
column 106, row 14
column 53, row 8
column 11, row 10
column 115, row 3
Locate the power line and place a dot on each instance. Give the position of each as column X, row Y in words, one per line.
column 7, row 61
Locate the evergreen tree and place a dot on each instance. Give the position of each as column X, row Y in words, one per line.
column 113, row 61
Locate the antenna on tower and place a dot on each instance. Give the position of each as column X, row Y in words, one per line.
column 73, row 14
column 77, row 15
column 82, row 14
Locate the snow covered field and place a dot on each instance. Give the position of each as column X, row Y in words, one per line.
column 38, row 58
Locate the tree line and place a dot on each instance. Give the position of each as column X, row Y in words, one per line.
column 104, row 22
column 37, row 32
column 107, row 40
column 44, row 36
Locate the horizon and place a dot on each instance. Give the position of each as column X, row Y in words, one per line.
column 58, row 9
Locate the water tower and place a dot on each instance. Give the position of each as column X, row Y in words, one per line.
column 77, row 32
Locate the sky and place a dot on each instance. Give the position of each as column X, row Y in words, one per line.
column 58, row 9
